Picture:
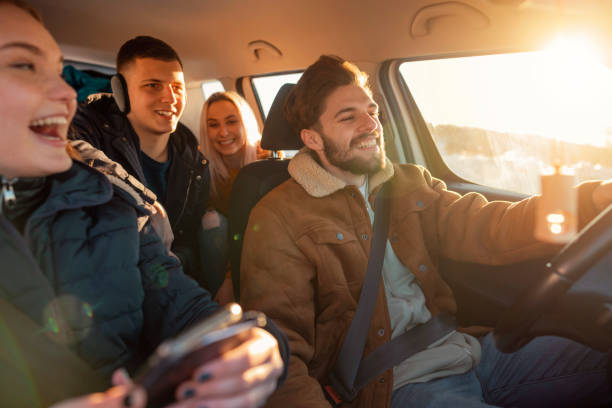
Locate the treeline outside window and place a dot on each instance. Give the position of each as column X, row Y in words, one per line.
column 499, row 120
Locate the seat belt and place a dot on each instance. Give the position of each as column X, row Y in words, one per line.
column 351, row 373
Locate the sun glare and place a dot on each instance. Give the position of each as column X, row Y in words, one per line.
column 563, row 92
column 499, row 119
column 575, row 50
column 579, row 91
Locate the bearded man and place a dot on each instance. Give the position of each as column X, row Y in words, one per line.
column 307, row 247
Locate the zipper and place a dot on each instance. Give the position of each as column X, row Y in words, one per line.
column 8, row 200
column 178, row 219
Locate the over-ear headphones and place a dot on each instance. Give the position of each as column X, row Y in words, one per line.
column 120, row 93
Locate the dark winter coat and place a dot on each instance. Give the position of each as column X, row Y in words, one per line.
column 100, row 123
column 87, row 277
column 89, row 269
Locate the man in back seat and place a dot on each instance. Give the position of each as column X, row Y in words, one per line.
column 307, row 246
column 144, row 136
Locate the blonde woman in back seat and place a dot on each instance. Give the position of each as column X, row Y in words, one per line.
column 229, row 138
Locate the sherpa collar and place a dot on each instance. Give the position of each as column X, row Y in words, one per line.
column 318, row 182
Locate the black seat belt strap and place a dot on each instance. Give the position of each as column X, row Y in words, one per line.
column 404, row 346
column 350, row 372
column 349, row 358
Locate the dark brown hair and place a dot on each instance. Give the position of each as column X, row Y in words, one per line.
column 145, row 47
column 306, row 101
column 24, row 6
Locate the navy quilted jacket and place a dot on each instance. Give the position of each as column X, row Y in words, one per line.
column 96, row 280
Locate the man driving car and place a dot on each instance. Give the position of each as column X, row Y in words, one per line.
column 307, row 247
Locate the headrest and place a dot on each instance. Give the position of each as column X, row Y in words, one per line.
column 277, row 133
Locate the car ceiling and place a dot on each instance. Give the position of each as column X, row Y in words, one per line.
column 222, row 38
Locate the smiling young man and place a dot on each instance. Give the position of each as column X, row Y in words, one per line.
column 307, row 246
column 147, row 139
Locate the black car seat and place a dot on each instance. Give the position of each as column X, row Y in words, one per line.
column 256, row 179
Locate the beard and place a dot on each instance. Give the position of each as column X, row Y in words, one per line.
column 355, row 165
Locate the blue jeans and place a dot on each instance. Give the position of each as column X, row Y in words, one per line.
column 548, row 372
column 214, row 253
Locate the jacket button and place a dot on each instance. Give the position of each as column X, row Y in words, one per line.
column 340, row 236
column 199, row 178
column 124, row 139
column 180, row 232
column 422, row 268
column 381, row 332
column 106, row 125
column 204, row 161
column 382, row 380
column 364, row 236
column 419, row 204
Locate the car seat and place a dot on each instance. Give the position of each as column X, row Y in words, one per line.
column 256, row 179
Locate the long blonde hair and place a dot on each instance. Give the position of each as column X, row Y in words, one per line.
column 218, row 170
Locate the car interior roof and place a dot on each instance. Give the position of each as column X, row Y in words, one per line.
column 234, row 38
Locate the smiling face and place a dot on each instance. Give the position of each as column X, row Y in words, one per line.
column 348, row 136
column 224, row 127
column 37, row 105
column 156, row 90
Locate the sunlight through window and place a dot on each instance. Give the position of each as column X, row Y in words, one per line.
column 499, row 119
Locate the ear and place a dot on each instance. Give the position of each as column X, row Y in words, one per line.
column 312, row 139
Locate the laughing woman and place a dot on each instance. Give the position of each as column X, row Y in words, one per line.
column 230, row 138
column 85, row 286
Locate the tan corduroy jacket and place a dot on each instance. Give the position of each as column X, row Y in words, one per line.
column 306, row 250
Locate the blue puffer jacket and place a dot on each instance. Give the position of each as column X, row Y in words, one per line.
column 95, row 275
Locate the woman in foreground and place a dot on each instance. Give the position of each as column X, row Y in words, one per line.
column 84, row 277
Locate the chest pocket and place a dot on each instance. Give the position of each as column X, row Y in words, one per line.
column 341, row 259
column 414, row 225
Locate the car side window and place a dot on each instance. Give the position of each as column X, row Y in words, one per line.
column 211, row 86
column 266, row 87
column 498, row 120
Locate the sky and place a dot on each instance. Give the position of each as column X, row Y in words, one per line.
column 563, row 92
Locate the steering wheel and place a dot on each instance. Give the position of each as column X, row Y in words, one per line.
column 514, row 329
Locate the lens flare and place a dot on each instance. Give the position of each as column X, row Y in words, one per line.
column 52, row 325
column 555, row 218
column 88, row 310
